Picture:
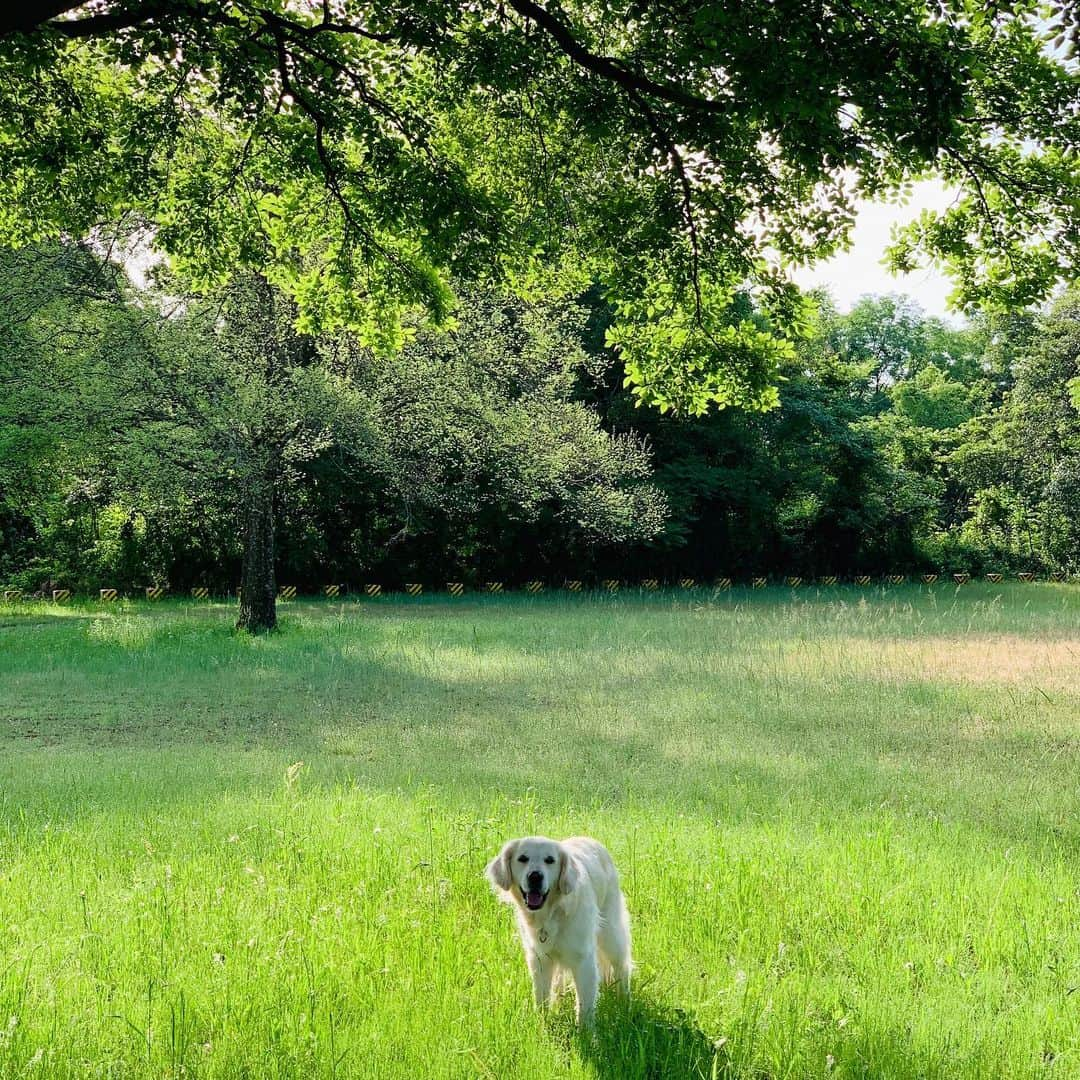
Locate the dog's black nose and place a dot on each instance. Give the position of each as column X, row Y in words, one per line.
column 535, row 880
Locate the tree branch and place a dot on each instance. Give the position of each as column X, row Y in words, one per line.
column 106, row 22
column 611, row 70
column 29, row 14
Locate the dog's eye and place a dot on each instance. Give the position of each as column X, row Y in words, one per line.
column 549, row 860
column 523, row 858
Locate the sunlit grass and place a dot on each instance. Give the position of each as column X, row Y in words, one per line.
column 847, row 823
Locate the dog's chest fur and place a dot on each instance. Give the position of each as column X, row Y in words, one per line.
column 543, row 937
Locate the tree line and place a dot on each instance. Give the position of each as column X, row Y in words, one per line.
column 554, row 184
column 151, row 437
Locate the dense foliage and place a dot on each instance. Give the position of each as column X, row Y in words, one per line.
column 134, row 429
column 366, row 155
column 901, row 444
column 351, row 166
column 139, row 444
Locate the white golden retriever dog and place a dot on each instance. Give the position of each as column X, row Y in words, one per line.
column 570, row 912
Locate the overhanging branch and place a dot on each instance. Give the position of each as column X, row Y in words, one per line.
column 607, row 68
column 29, row 14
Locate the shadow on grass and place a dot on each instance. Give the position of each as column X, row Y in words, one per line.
column 641, row 1039
column 173, row 709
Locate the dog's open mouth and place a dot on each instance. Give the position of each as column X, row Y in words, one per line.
column 534, row 901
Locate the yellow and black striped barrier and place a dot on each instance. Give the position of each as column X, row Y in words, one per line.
column 12, row 594
column 61, row 594
column 107, row 594
column 609, row 585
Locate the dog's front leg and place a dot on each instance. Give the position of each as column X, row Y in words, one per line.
column 586, row 982
column 541, row 968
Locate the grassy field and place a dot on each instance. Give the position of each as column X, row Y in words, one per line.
column 848, row 824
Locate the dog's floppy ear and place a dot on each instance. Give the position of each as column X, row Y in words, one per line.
column 498, row 870
column 569, row 874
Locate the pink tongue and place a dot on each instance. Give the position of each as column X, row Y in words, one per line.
column 534, row 899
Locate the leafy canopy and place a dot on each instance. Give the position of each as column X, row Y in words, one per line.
column 365, row 153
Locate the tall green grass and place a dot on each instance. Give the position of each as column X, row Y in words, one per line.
column 847, row 823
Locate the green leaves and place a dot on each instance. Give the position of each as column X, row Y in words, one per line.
column 367, row 155
column 686, row 353
column 1074, row 392
column 479, row 424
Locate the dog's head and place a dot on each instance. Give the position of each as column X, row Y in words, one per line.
column 530, row 868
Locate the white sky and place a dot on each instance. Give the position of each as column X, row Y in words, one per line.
column 859, row 270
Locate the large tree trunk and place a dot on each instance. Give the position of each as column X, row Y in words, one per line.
column 258, row 588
